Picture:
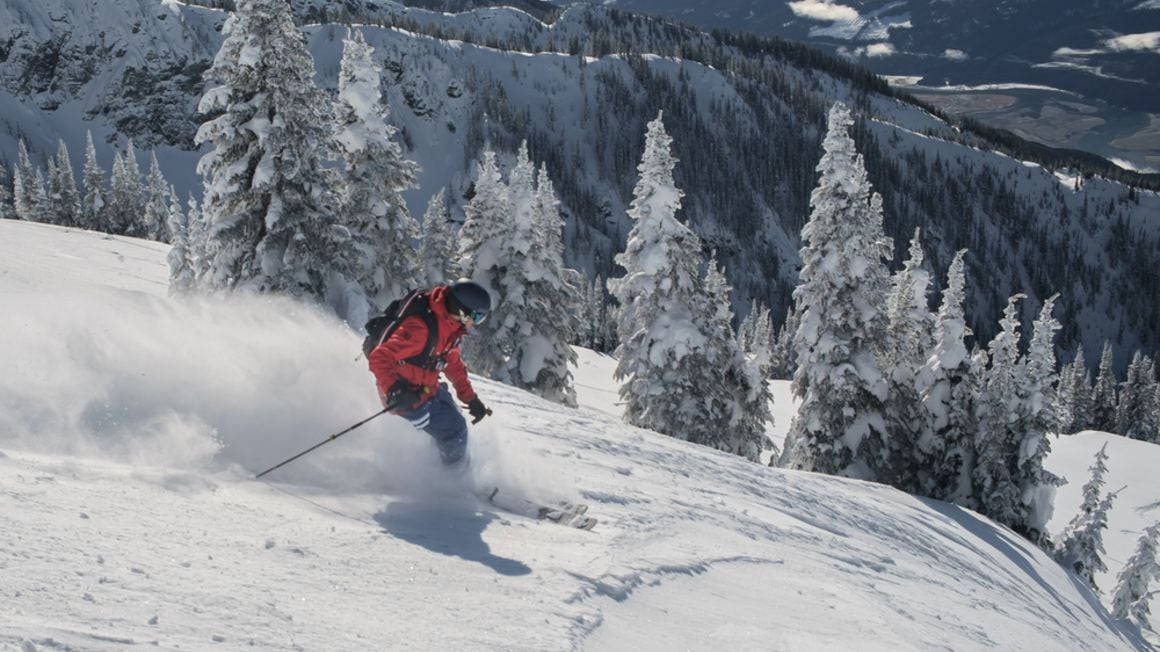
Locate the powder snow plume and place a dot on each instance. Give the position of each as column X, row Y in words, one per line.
column 199, row 384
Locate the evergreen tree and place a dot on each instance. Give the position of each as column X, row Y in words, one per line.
column 64, row 200
column 661, row 367
column 157, row 193
column 375, row 176
column 996, row 441
column 600, row 322
column 182, row 274
column 947, row 387
column 1073, row 396
column 542, row 357
column 840, row 427
column 267, row 192
column 47, row 211
column 41, row 207
column 1150, row 429
column 1038, row 420
column 1081, row 546
column 198, row 242
column 1136, row 411
column 6, row 210
column 1104, row 394
column 437, row 253
column 126, row 195
column 755, row 337
column 1041, row 377
column 783, row 359
column 484, row 258
column 746, row 328
column 518, row 247
column 738, row 395
column 909, row 342
column 24, row 191
column 93, row 211
column 1015, row 417
column 1131, row 596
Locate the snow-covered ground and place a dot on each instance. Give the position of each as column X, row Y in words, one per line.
column 132, row 424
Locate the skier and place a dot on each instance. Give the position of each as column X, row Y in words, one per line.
column 407, row 373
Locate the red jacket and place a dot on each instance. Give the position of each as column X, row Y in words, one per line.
column 409, row 339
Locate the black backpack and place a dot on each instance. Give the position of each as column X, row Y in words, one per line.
column 379, row 328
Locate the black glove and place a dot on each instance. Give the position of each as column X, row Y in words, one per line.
column 404, row 395
column 477, row 409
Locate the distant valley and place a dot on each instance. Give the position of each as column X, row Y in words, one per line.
column 1131, row 139
column 1086, row 70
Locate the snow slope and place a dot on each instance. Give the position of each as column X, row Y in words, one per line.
column 131, row 426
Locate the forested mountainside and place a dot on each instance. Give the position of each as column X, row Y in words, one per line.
column 746, row 115
column 1099, row 48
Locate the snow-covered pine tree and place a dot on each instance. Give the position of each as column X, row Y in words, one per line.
column 48, row 210
column 755, row 337
column 1073, row 396
column 1041, row 375
column 542, row 357
column 197, row 240
column 1081, row 546
column 1104, row 393
column 508, row 328
column 41, row 207
column 600, row 326
column 126, row 195
column 549, row 223
column 1150, row 427
column 662, row 371
column 946, row 386
column 93, row 212
column 999, row 414
column 24, row 192
column 585, row 317
column 783, row 357
column 375, row 174
column 1039, row 420
column 483, row 257
column 1131, row 596
column 157, row 193
column 6, row 211
column 909, row 340
column 182, row 275
column 745, row 329
column 437, row 253
column 1136, row 408
column 63, row 197
column 1011, row 484
column 738, row 396
column 267, row 192
column 840, row 427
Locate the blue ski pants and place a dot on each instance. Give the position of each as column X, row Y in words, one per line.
column 440, row 417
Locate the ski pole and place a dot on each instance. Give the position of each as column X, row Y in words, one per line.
column 326, row 441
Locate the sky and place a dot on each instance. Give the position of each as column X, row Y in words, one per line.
column 132, row 425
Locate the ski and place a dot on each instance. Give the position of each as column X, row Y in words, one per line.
column 563, row 513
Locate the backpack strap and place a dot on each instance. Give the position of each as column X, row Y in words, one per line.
column 425, row 359
column 419, row 303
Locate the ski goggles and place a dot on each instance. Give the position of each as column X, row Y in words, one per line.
column 477, row 317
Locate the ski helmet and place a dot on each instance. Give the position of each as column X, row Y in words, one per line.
column 469, row 298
